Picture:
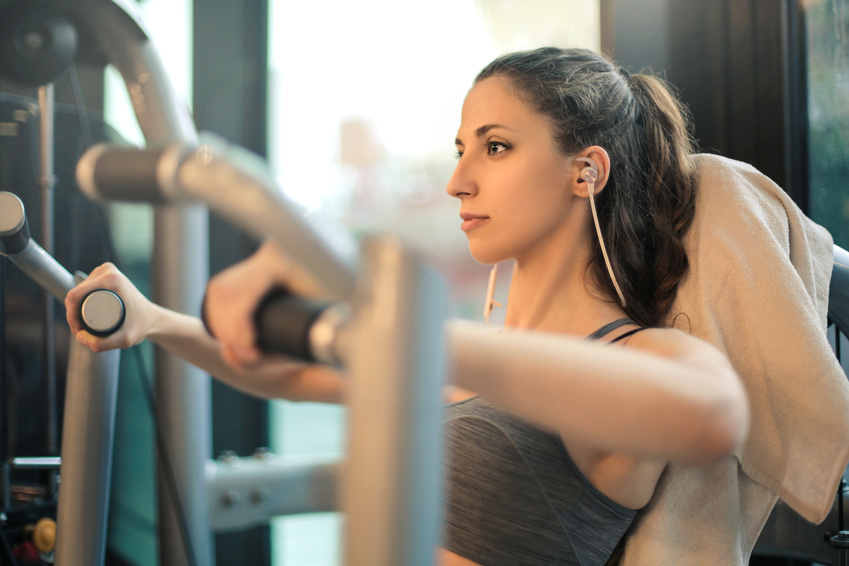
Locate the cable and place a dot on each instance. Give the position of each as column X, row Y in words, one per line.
column 162, row 449
column 81, row 112
column 8, row 548
column 164, row 459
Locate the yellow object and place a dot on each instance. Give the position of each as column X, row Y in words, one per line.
column 44, row 535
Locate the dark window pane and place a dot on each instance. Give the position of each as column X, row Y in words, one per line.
column 828, row 111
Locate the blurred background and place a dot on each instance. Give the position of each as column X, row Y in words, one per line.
column 356, row 104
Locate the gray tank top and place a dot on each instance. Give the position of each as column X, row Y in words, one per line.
column 514, row 497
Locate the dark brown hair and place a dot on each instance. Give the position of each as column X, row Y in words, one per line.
column 649, row 200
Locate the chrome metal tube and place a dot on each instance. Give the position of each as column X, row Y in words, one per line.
column 21, row 249
column 231, row 181
column 162, row 116
column 47, row 181
column 183, row 394
column 244, row 492
column 46, row 178
column 392, row 486
column 45, row 270
column 237, row 184
column 87, row 441
column 180, row 270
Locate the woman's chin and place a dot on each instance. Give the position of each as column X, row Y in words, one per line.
column 486, row 257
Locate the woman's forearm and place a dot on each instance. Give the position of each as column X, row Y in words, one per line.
column 185, row 336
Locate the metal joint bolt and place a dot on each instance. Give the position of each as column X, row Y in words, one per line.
column 259, row 496
column 841, row 539
column 230, row 498
column 228, row 457
column 263, row 453
column 34, row 40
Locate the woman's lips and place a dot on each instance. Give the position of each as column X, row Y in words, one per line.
column 472, row 221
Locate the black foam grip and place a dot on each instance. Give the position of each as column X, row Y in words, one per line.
column 128, row 174
column 15, row 243
column 283, row 322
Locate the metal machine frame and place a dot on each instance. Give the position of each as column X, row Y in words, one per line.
column 390, row 480
column 90, row 406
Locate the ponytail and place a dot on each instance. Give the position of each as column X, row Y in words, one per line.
column 668, row 183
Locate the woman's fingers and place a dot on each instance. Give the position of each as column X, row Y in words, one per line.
column 232, row 298
column 137, row 308
column 98, row 344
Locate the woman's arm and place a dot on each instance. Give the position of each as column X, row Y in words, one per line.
column 269, row 377
column 667, row 396
column 185, row 336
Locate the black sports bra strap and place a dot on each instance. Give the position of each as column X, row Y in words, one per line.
column 626, row 334
column 607, row 328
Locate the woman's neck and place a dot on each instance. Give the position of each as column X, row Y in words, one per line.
column 553, row 295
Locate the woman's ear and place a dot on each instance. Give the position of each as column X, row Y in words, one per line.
column 592, row 169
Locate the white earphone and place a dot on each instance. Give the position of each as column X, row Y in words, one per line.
column 590, row 176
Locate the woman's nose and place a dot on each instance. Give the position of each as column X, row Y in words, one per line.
column 462, row 183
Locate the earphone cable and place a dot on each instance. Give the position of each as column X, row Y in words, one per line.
column 604, row 252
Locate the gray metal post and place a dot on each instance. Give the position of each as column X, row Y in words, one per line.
column 180, row 270
column 182, row 391
column 87, row 440
column 43, row 269
column 392, row 489
column 47, row 181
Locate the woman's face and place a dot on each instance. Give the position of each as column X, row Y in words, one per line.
column 514, row 186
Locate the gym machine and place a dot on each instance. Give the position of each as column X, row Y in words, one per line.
column 386, row 329
column 391, row 343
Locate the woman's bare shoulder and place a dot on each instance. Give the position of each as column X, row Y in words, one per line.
column 675, row 344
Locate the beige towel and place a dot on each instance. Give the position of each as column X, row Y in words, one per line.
column 758, row 290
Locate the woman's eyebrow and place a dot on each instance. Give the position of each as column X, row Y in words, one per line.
column 482, row 131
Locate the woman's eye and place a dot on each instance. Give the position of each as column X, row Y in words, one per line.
column 459, row 154
column 495, row 147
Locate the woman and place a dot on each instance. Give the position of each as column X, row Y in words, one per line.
column 580, row 174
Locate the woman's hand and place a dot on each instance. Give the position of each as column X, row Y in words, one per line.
column 140, row 312
column 185, row 336
column 233, row 295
